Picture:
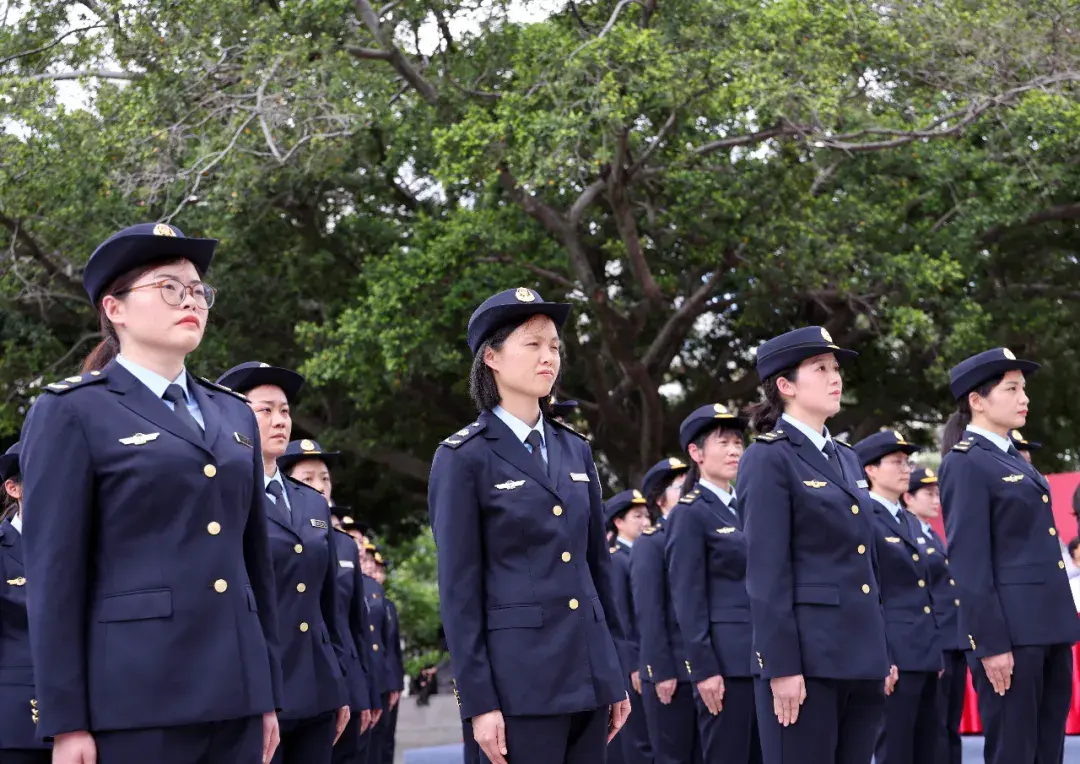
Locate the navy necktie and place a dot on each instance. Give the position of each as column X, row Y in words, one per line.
column 275, row 490
column 829, row 449
column 534, row 440
column 174, row 394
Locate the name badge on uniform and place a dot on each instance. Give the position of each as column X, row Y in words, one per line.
column 243, row 440
column 814, row 483
column 346, row 563
column 892, row 539
column 140, row 438
column 510, row 485
column 1013, row 478
column 579, row 477
column 862, row 484
column 319, row 523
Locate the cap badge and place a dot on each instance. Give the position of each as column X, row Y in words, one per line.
column 826, row 336
column 307, row 445
column 675, row 464
column 524, row 295
column 164, row 230
column 1008, row 354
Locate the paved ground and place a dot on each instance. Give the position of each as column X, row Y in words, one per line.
column 432, row 735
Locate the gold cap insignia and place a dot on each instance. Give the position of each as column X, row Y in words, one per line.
column 73, row 380
column 164, row 230
column 264, row 366
column 675, row 464
column 1015, row 433
column 826, row 336
column 524, row 295
column 378, row 558
column 307, row 445
column 637, row 494
column 899, row 437
column 719, row 408
column 1008, row 354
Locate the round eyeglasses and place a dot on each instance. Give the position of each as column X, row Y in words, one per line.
column 174, row 291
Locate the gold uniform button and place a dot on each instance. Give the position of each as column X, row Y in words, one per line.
column 952, row 582
column 556, row 510
column 304, row 627
column 221, row 585
column 375, row 648
column 574, row 604
column 854, row 509
column 956, row 602
column 1053, row 531
column 1061, row 564
column 566, row 557
column 862, row 548
column 866, row 588
column 213, row 528
column 1046, row 499
column 299, row 548
column 371, row 627
column 915, row 557
column 301, row 587
column 209, row 470
column 926, row 609
column 922, row 584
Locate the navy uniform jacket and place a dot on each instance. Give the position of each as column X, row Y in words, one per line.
column 352, row 620
column 524, row 573
column 305, row 574
column 18, row 705
column 1003, row 551
column 904, row 574
column 395, row 661
column 942, row 589
column 811, row 575
column 661, row 644
column 148, row 569
column 627, row 644
column 375, row 600
column 706, row 558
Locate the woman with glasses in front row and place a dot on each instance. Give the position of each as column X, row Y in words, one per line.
column 149, row 582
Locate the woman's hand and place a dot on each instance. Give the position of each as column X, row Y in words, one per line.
column 74, row 748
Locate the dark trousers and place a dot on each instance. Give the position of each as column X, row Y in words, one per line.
column 307, row 741
column 910, row 727
column 731, row 737
column 389, row 734
column 673, row 729
column 632, row 742
column 377, row 734
column 26, row 756
column 837, row 723
column 579, row 738
column 951, row 690
column 1027, row 724
column 237, row 741
column 351, row 747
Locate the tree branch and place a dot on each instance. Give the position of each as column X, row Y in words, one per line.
column 607, row 28
column 1057, row 214
column 587, row 197
column 367, row 53
column 37, row 252
column 625, row 223
column 51, row 45
column 395, row 57
column 56, row 76
column 544, row 273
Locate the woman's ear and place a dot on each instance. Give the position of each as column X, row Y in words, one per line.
column 786, row 387
column 976, row 403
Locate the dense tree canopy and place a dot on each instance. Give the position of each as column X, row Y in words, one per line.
column 694, row 175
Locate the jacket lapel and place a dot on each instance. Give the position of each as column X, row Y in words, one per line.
column 210, row 412
column 901, row 528
column 278, row 514
column 810, row 454
column 721, row 510
column 136, row 397
column 296, row 514
column 1013, row 463
column 504, row 443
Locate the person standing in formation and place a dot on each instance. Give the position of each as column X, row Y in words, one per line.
column 1016, row 608
column 910, row 725
column 924, row 502
column 626, row 518
column 145, row 532
column 395, row 661
column 524, row 572
column 819, row 633
column 311, row 466
column 706, row 558
column 19, row 741
column 375, row 600
column 667, row 694
column 315, row 707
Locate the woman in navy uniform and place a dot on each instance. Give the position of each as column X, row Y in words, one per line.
column 312, row 468
column 666, row 692
column 923, row 500
column 1016, row 608
column 706, row 563
column 706, row 557
column 19, row 741
column 819, row 633
column 626, row 517
column 375, row 600
column 910, row 725
column 395, row 662
column 145, row 532
column 524, row 574
column 315, row 699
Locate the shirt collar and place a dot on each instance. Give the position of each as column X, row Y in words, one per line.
column 894, row 508
column 621, row 540
column 818, row 439
column 519, row 428
column 926, row 528
column 16, row 522
column 993, row 437
column 157, row 383
column 725, row 496
column 267, row 480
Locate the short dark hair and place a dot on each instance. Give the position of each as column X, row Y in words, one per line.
column 1073, row 545
column 482, row 388
column 693, row 473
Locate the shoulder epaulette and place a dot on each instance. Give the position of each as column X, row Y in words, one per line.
column 771, row 437
column 650, row 530
column 464, row 434
column 690, row 497
column 844, row 443
column 73, row 383
column 568, row 428
column 613, row 549
column 222, row 388
column 963, row 445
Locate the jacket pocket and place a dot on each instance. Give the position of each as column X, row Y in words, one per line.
column 136, row 606
column 1021, row 574
column 817, row 594
column 515, row 617
column 598, row 609
column 253, row 606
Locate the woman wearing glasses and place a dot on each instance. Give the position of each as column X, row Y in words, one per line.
column 148, row 571
column 910, row 724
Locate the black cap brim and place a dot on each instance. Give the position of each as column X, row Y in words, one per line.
column 888, row 448
column 243, row 380
column 987, row 371
column 142, row 250
column 791, row 357
column 737, row 423
column 286, row 462
column 505, row 314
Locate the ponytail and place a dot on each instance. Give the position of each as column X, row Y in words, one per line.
column 106, row 350
column 693, row 475
column 101, row 356
column 961, row 418
column 766, row 413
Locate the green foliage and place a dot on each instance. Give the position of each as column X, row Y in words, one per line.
column 413, row 588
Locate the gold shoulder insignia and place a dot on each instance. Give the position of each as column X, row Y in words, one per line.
column 221, row 388
column 613, row 549
column 963, row 445
column 844, row 443
column 73, row 383
column 462, row 435
column 650, row 530
column 771, row 437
